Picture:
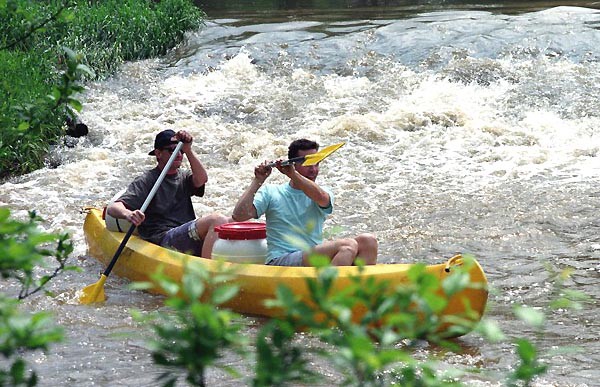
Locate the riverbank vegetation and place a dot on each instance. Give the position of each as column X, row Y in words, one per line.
column 380, row 349
column 25, row 252
column 36, row 38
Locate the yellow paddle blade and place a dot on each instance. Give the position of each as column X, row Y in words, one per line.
column 315, row 158
column 93, row 293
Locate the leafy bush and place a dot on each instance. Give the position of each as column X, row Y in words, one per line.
column 20, row 332
column 103, row 33
column 362, row 350
column 111, row 32
column 280, row 360
column 375, row 351
column 24, row 248
column 195, row 335
column 22, row 148
column 107, row 33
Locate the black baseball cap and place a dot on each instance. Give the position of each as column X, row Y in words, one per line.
column 163, row 139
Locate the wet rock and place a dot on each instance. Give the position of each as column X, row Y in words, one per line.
column 76, row 128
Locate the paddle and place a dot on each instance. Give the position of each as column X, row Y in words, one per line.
column 312, row 159
column 95, row 292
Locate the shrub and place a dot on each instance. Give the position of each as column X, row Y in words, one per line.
column 196, row 333
column 24, row 248
column 375, row 351
column 103, row 33
column 22, row 148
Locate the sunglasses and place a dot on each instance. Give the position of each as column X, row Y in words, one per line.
column 171, row 150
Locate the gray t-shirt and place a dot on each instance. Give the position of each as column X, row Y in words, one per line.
column 170, row 207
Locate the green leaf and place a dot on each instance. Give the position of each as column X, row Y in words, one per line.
column 490, row 330
column 531, row 316
column 85, row 69
column 456, row 282
column 192, row 286
column 526, row 350
column 55, row 96
column 576, row 295
column 67, row 15
column 415, row 272
column 318, row 261
column 169, row 286
column 141, row 286
column 224, row 293
column 70, row 53
column 435, row 302
column 285, row 296
column 428, row 283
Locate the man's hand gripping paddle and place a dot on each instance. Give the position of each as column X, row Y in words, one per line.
column 312, row 159
column 95, row 292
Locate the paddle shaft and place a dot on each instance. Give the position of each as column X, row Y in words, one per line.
column 160, row 179
column 299, row 159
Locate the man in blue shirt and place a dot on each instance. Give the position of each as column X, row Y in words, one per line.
column 295, row 213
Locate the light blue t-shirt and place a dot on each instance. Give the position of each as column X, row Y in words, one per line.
column 294, row 221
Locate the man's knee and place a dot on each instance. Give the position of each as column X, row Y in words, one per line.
column 367, row 248
column 349, row 245
column 366, row 241
column 215, row 219
column 219, row 219
column 207, row 223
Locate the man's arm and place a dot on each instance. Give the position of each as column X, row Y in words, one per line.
column 312, row 190
column 118, row 210
column 199, row 175
column 309, row 187
column 244, row 208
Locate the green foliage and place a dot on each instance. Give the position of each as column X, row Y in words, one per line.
column 25, row 80
column 23, row 248
column 194, row 336
column 113, row 31
column 564, row 298
column 23, row 148
column 25, row 21
column 366, row 348
column 36, row 98
column 280, row 359
column 375, row 349
column 530, row 363
column 107, row 32
column 19, row 332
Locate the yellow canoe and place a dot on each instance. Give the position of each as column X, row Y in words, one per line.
column 259, row 282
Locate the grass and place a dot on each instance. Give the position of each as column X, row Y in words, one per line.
column 104, row 33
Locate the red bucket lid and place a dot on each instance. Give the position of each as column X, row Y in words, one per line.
column 242, row 230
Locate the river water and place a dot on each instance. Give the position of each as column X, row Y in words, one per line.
column 466, row 130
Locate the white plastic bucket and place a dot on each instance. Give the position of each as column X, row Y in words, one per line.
column 114, row 224
column 242, row 242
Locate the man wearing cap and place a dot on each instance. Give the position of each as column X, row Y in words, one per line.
column 170, row 220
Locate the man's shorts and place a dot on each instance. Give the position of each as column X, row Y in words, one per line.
column 290, row 259
column 184, row 238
